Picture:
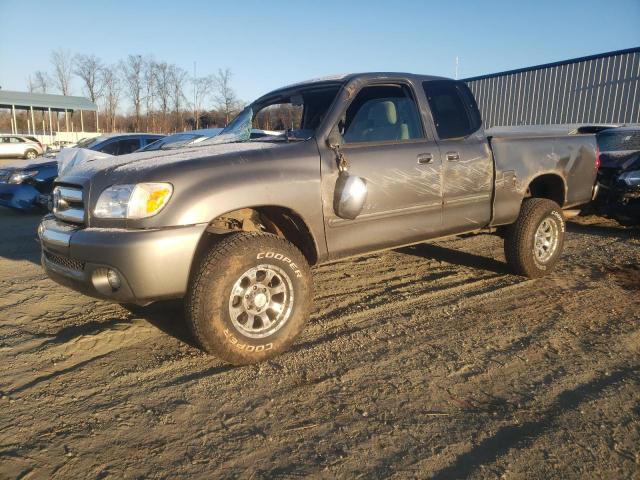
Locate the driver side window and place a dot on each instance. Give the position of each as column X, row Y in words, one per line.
column 382, row 113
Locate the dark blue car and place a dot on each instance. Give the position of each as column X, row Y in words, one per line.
column 28, row 187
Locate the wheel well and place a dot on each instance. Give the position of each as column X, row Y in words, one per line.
column 280, row 221
column 548, row 186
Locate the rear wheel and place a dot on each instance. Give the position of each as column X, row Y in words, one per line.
column 30, row 154
column 249, row 297
column 533, row 244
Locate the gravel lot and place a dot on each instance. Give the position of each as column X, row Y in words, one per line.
column 430, row 362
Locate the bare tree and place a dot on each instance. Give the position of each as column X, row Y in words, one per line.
column 133, row 78
column 89, row 69
column 149, row 90
column 41, row 81
column 178, row 77
column 62, row 68
column 112, row 89
column 202, row 87
column 224, row 96
column 31, row 85
column 163, row 89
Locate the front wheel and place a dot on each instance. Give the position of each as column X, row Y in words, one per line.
column 533, row 244
column 249, row 297
column 30, row 154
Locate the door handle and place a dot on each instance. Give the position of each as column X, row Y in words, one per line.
column 425, row 158
column 453, row 156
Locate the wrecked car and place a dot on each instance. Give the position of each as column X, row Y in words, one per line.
column 28, row 187
column 371, row 162
column 618, row 194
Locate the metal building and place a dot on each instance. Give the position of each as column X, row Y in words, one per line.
column 602, row 88
column 47, row 103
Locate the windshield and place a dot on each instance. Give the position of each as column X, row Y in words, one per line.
column 619, row 141
column 239, row 130
column 285, row 116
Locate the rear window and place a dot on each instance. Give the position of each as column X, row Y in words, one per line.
column 453, row 107
column 172, row 141
column 89, row 142
column 121, row 147
column 618, row 141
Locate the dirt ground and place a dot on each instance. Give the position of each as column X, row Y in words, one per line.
column 425, row 362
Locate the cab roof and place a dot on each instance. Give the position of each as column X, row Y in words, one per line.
column 344, row 78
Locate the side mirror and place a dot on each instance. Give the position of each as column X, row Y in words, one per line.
column 349, row 196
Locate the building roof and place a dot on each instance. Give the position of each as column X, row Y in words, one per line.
column 554, row 64
column 44, row 101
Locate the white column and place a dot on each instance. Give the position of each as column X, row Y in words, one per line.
column 81, row 122
column 33, row 121
column 15, row 124
column 50, row 128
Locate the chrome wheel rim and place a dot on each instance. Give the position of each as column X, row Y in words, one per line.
column 31, row 155
column 261, row 301
column 546, row 240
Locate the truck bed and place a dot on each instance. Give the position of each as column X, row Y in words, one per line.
column 521, row 153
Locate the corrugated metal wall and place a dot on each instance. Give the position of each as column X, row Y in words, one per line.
column 597, row 89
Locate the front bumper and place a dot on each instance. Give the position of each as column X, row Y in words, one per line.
column 151, row 264
column 19, row 196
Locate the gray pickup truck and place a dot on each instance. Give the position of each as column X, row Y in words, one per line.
column 371, row 161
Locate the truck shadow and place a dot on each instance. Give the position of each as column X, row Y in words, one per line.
column 620, row 232
column 167, row 316
column 512, row 437
column 456, row 257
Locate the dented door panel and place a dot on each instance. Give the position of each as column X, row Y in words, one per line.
column 467, row 183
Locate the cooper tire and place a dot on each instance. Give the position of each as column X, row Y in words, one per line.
column 533, row 244
column 249, row 297
column 30, row 154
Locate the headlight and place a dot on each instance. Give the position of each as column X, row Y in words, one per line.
column 133, row 201
column 20, row 177
column 631, row 178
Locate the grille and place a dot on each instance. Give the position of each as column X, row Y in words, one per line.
column 68, row 204
column 68, row 263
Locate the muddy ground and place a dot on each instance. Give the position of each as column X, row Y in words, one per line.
column 430, row 362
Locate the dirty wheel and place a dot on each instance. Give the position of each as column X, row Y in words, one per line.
column 249, row 297
column 30, row 154
column 533, row 244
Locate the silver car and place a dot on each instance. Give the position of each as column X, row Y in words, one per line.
column 20, row 146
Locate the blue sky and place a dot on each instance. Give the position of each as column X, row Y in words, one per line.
column 269, row 44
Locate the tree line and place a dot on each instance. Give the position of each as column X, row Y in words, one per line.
column 140, row 93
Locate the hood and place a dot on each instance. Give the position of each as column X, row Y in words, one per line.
column 137, row 162
column 70, row 157
column 33, row 165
